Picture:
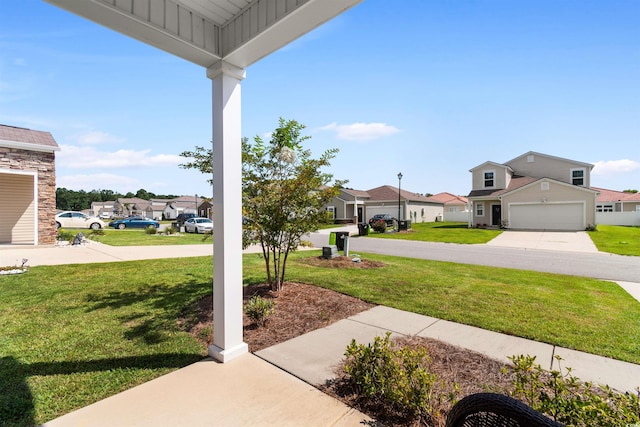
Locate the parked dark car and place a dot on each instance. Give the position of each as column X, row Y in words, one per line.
column 388, row 219
column 183, row 217
column 134, row 222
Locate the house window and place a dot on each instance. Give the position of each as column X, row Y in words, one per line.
column 637, row 208
column 332, row 209
column 453, row 209
column 488, row 179
column 604, row 208
column 479, row 209
column 577, row 176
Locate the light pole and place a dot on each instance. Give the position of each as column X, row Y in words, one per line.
column 399, row 180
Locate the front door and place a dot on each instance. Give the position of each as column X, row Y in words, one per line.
column 360, row 214
column 496, row 215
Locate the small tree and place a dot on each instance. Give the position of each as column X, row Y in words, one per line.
column 283, row 192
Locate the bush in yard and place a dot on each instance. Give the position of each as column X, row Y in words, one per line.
column 567, row 400
column 151, row 230
column 395, row 377
column 379, row 226
column 65, row 236
column 259, row 309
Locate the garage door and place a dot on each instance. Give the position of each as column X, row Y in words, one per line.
column 17, row 209
column 371, row 211
column 547, row 216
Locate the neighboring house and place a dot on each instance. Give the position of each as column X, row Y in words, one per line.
column 456, row 208
column 348, row 206
column 182, row 204
column 128, row 206
column 617, row 207
column 27, row 186
column 103, row 209
column 534, row 191
column 155, row 209
column 205, row 210
column 412, row 206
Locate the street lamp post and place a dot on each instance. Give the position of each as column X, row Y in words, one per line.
column 399, row 180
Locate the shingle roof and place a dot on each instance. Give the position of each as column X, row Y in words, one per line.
column 448, row 198
column 357, row 193
column 27, row 136
column 515, row 183
column 615, row 196
column 387, row 192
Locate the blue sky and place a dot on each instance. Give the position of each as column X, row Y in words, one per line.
column 426, row 88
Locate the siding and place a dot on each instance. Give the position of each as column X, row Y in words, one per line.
column 17, row 209
column 549, row 167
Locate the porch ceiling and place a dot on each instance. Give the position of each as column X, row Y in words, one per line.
column 240, row 32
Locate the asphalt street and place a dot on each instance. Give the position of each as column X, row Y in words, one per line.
column 597, row 265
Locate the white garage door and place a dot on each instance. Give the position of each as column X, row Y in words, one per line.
column 374, row 210
column 17, row 209
column 547, row 216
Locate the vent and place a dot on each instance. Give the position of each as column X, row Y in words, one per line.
column 530, row 159
column 544, row 186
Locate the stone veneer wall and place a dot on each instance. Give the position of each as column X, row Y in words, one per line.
column 44, row 164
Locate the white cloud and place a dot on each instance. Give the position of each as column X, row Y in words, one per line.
column 610, row 167
column 361, row 131
column 97, row 137
column 75, row 157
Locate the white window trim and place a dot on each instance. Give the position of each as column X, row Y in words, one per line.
column 332, row 209
column 484, row 180
column 479, row 206
column 584, row 176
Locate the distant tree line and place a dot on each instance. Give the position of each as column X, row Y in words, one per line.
column 70, row 200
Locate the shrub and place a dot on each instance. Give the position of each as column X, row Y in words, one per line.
column 379, row 226
column 397, row 377
column 259, row 309
column 567, row 400
column 592, row 227
column 327, row 218
column 151, row 230
column 65, row 236
column 95, row 234
column 171, row 230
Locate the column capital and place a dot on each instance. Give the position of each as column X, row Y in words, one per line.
column 222, row 67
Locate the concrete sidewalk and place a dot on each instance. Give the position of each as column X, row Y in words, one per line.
column 314, row 356
column 569, row 241
column 92, row 252
column 244, row 392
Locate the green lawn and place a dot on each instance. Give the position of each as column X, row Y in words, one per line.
column 447, row 232
column 617, row 239
column 138, row 237
column 74, row 334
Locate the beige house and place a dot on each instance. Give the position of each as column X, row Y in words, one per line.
column 358, row 206
column 456, row 208
column 412, row 206
column 534, row 191
column 27, row 186
column 617, row 207
column 348, row 206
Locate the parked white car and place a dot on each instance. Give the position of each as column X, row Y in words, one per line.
column 72, row 219
column 198, row 225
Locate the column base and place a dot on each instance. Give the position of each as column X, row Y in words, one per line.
column 224, row 356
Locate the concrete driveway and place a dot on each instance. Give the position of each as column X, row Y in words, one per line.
column 570, row 241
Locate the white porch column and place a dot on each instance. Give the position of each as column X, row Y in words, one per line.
column 227, row 213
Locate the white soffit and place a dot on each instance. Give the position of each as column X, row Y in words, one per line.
column 239, row 32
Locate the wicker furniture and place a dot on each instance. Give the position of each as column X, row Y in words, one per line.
column 495, row 410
